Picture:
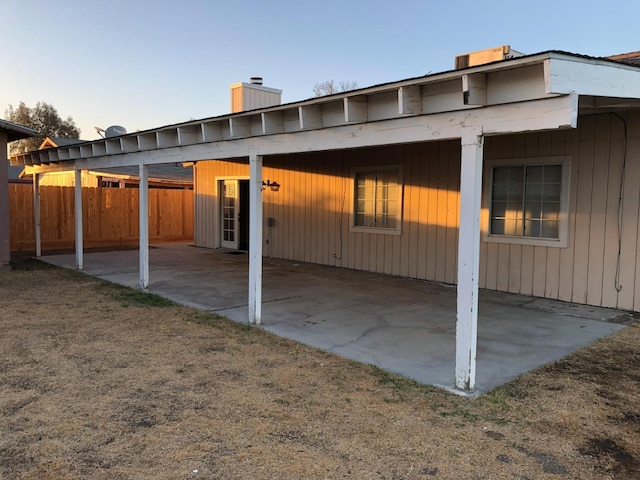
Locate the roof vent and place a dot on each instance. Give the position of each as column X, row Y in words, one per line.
column 256, row 80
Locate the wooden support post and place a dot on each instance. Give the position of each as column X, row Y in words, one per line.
column 144, row 226
column 78, row 218
column 255, row 238
column 36, row 213
column 5, row 225
column 468, row 259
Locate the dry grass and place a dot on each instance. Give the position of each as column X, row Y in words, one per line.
column 97, row 381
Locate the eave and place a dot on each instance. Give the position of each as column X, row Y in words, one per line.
column 16, row 132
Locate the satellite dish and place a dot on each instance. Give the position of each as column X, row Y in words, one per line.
column 115, row 131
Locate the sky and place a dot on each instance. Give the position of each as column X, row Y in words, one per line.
column 147, row 63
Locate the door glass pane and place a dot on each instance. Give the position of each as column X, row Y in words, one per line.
column 229, row 212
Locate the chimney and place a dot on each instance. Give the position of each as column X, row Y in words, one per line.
column 252, row 95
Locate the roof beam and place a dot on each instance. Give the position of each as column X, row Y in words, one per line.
column 546, row 114
column 566, row 75
column 474, row 89
column 310, row 117
column 355, row 109
column 410, row 100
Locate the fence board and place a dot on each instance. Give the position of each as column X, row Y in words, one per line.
column 110, row 216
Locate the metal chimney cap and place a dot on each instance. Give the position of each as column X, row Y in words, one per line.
column 256, row 80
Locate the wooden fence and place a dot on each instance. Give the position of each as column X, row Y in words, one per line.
column 110, row 216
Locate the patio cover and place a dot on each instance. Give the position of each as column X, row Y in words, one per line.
column 538, row 92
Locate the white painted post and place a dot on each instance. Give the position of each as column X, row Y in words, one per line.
column 78, row 218
column 143, row 191
column 36, row 213
column 255, row 238
column 468, row 258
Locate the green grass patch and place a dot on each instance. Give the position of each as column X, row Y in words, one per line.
column 400, row 383
column 131, row 297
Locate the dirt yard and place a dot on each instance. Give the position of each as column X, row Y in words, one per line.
column 103, row 382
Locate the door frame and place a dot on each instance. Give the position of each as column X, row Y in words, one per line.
column 219, row 183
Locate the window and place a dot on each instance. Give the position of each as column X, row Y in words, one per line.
column 528, row 202
column 377, row 200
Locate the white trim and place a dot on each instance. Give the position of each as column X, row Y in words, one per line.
column 472, row 149
column 255, row 238
column 143, row 192
column 563, row 240
column 221, row 214
column 377, row 230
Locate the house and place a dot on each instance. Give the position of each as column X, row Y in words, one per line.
column 15, row 175
column 9, row 132
column 172, row 175
column 517, row 175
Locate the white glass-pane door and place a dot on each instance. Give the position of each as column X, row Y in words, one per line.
column 229, row 215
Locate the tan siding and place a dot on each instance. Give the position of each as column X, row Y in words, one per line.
column 430, row 236
column 312, row 214
column 452, row 159
column 630, row 226
column 597, row 226
column 552, row 278
column 567, row 256
column 503, row 267
column 206, row 203
column 515, row 264
column 539, row 272
column 491, row 266
column 583, row 211
column 584, row 271
column 611, row 237
column 634, row 153
column 441, row 221
column 421, row 242
column 526, row 270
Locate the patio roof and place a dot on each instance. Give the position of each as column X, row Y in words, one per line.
column 538, row 92
column 488, row 97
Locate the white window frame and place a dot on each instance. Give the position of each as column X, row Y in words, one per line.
column 378, row 230
column 563, row 228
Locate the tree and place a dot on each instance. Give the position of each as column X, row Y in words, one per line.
column 44, row 119
column 330, row 87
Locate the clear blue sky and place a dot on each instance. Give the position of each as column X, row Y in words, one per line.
column 147, row 63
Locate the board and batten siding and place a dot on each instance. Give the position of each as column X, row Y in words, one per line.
column 599, row 264
column 312, row 213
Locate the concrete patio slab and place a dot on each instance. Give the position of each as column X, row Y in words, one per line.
column 400, row 325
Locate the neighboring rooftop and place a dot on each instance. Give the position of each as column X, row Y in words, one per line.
column 166, row 171
column 632, row 58
column 15, row 131
column 54, row 142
